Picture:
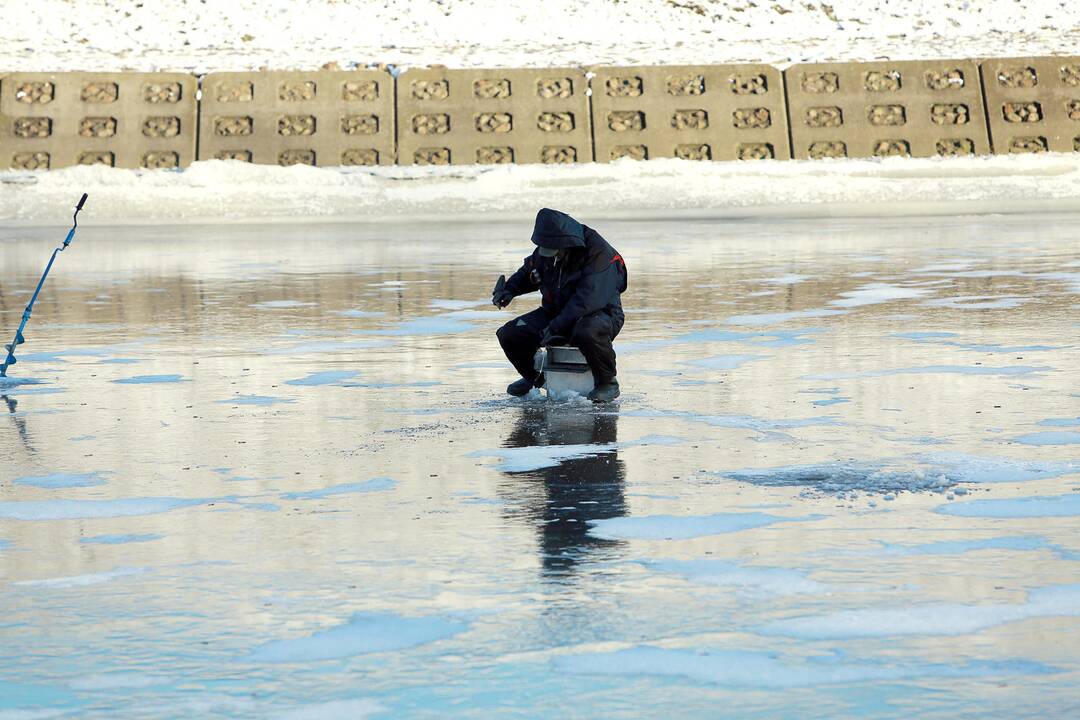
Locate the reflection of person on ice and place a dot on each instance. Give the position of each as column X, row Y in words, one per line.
column 580, row 278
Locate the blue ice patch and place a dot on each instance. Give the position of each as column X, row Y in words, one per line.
column 1008, row 370
column 685, row 527
column 55, row 481
column 326, row 377
column 119, row 539
column 379, row 484
column 724, row 362
column 1023, row 507
column 363, row 633
column 766, row 670
column 150, row 379
column 87, row 509
column 262, row 400
column 1049, row 437
column 960, row 547
column 1060, row 422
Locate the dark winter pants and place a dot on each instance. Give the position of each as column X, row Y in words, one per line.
column 592, row 335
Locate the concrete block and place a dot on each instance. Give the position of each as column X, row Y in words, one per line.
column 919, row 109
column 462, row 117
column 1033, row 104
column 326, row 118
column 127, row 120
column 706, row 112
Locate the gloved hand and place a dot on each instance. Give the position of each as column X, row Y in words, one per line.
column 500, row 296
column 550, row 338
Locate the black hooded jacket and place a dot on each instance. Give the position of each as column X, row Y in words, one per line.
column 587, row 279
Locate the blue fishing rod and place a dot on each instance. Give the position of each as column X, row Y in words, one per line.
column 19, row 339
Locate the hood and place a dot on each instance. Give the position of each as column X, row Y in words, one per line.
column 557, row 230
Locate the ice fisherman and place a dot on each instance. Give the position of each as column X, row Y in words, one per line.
column 580, row 278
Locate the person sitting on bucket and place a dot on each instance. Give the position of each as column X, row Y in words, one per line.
column 580, row 278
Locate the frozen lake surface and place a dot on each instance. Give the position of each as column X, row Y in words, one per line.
column 269, row 471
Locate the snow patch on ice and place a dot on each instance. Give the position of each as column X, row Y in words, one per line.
column 928, row 619
column 82, row 580
column 379, row 484
column 358, row 313
column 457, row 304
column 877, row 293
column 684, row 527
column 538, row 457
column 363, row 633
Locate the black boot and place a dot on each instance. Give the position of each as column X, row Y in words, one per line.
column 605, row 392
column 524, row 385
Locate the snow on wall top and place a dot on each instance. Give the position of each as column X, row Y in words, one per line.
column 199, row 36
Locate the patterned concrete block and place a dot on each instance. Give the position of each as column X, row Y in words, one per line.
column 1033, row 104
column 462, row 117
column 918, row 109
column 128, row 120
column 327, row 118
column 707, row 112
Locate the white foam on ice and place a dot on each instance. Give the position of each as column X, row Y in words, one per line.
column 928, row 619
column 877, row 293
column 684, row 527
column 83, row 580
column 747, row 578
column 1044, row 506
column 350, row 709
column 770, row 671
column 363, row 633
column 92, row 509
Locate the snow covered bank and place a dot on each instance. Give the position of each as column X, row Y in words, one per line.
column 198, row 36
column 229, row 190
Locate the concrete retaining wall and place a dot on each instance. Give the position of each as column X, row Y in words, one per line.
column 558, row 115
column 1033, row 104
column 128, row 120
column 706, row 112
column 918, row 109
column 290, row 118
column 462, row 117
